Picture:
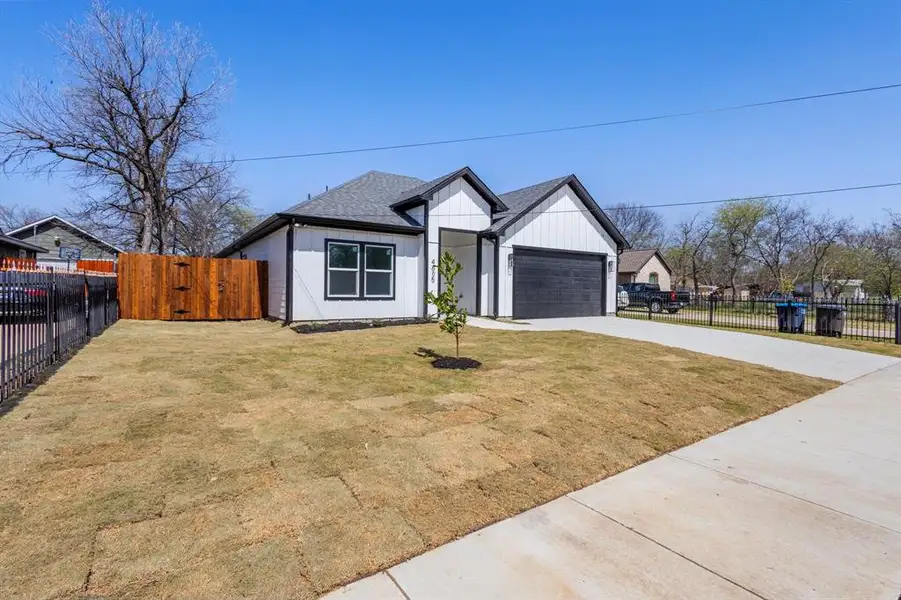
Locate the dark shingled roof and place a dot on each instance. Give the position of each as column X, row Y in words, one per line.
column 367, row 199
column 519, row 201
column 425, row 187
column 631, row 261
column 378, row 199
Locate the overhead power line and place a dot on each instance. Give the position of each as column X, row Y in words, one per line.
column 856, row 188
column 532, row 132
column 498, row 136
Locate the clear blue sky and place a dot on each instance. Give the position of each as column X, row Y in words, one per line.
column 332, row 75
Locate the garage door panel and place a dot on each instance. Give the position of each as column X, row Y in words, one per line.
column 557, row 284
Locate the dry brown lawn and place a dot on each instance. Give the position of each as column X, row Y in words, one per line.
column 216, row 460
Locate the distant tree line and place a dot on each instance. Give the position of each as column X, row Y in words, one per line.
column 772, row 245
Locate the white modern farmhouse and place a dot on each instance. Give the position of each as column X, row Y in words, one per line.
column 369, row 248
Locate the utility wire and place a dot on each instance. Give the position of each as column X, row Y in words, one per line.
column 481, row 138
column 498, row 136
column 856, row 188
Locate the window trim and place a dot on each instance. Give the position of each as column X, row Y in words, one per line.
column 366, row 270
column 361, row 271
column 329, row 269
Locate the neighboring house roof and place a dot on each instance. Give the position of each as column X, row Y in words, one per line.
column 11, row 241
column 377, row 200
column 631, row 261
column 26, row 229
column 523, row 200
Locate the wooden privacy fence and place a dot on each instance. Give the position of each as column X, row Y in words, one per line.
column 189, row 288
column 96, row 265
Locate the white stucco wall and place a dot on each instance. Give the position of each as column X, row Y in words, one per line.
column 272, row 249
column 455, row 206
column 654, row 266
column 560, row 223
column 309, row 277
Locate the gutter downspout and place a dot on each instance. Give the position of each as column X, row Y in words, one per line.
column 497, row 274
column 289, row 274
column 478, row 274
column 425, row 259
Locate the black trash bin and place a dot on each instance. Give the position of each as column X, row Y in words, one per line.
column 790, row 316
column 830, row 320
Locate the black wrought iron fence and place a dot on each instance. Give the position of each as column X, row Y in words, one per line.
column 874, row 320
column 44, row 315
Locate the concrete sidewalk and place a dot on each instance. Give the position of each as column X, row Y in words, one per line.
column 804, row 503
column 786, row 355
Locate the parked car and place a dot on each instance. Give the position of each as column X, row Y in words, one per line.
column 622, row 297
column 657, row 300
column 18, row 299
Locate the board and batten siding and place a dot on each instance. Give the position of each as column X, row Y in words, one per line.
column 455, row 206
column 310, row 270
column 560, row 222
column 272, row 249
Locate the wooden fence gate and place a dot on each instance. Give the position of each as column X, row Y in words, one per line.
column 190, row 288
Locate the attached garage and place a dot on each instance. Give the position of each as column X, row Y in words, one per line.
column 557, row 283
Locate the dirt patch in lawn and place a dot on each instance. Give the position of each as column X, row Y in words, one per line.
column 210, row 460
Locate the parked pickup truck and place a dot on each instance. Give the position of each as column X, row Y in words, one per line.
column 657, row 300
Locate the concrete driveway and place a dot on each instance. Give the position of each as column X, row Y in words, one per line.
column 804, row 503
column 786, row 355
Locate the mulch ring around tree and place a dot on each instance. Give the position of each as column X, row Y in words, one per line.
column 440, row 361
column 450, row 362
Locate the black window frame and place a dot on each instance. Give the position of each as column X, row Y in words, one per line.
column 361, row 270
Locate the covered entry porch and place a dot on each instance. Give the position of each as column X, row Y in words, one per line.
column 473, row 284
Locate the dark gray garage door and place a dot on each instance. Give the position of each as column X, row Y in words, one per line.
column 550, row 283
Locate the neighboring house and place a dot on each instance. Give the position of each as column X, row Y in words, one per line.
column 644, row 266
column 64, row 243
column 369, row 248
column 851, row 289
column 11, row 247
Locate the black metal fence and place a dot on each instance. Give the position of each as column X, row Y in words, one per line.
column 45, row 315
column 874, row 320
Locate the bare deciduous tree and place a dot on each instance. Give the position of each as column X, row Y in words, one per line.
column 883, row 269
column 776, row 239
column 133, row 115
column 210, row 215
column 643, row 227
column 693, row 237
column 820, row 234
column 13, row 216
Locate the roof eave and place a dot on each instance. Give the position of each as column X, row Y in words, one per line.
column 22, row 244
column 355, row 225
column 69, row 224
column 621, row 242
column 262, row 229
column 468, row 174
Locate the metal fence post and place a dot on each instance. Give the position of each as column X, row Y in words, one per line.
column 710, row 304
column 898, row 322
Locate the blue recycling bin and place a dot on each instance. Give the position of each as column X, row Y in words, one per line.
column 791, row 316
